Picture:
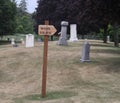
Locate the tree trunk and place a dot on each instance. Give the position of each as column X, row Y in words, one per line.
column 105, row 35
column 116, row 37
column 1, row 37
column 51, row 38
column 83, row 37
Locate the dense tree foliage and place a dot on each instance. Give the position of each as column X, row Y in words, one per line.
column 23, row 19
column 7, row 17
column 89, row 15
column 23, row 6
column 14, row 19
column 105, row 12
column 72, row 11
column 52, row 10
column 24, row 22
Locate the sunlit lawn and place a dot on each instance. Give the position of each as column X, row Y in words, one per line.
column 68, row 79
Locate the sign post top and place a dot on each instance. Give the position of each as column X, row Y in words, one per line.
column 46, row 30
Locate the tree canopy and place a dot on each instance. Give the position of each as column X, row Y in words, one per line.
column 90, row 15
column 7, row 17
column 24, row 22
column 23, row 6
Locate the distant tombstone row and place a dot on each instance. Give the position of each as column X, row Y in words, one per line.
column 29, row 41
column 62, row 40
column 63, row 37
column 73, row 37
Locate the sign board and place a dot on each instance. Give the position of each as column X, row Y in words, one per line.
column 46, row 30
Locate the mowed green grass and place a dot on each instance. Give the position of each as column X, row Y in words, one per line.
column 68, row 79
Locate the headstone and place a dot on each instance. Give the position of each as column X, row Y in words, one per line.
column 108, row 38
column 39, row 40
column 73, row 32
column 63, row 36
column 29, row 40
column 13, row 41
column 85, row 52
column 22, row 41
column 8, row 39
column 15, row 45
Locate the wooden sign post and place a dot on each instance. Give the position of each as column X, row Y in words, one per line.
column 45, row 30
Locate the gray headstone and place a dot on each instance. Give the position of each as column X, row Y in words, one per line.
column 63, row 36
column 15, row 45
column 39, row 40
column 85, row 52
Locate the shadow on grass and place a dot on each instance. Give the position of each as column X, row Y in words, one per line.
column 3, row 42
column 109, row 65
column 111, row 51
column 113, row 65
column 5, row 77
column 49, row 96
column 102, row 45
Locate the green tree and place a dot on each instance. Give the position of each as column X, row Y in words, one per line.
column 23, row 6
column 26, row 22
column 23, row 19
column 7, row 17
column 89, row 15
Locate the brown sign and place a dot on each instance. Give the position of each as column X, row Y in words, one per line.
column 46, row 30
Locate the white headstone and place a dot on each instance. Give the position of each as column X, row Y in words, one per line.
column 13, row 41
column 73, row 32
column 108, row 38
column 22, row 41
column 29, row 40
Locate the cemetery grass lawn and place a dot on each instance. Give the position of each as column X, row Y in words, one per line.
column 68, row 79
